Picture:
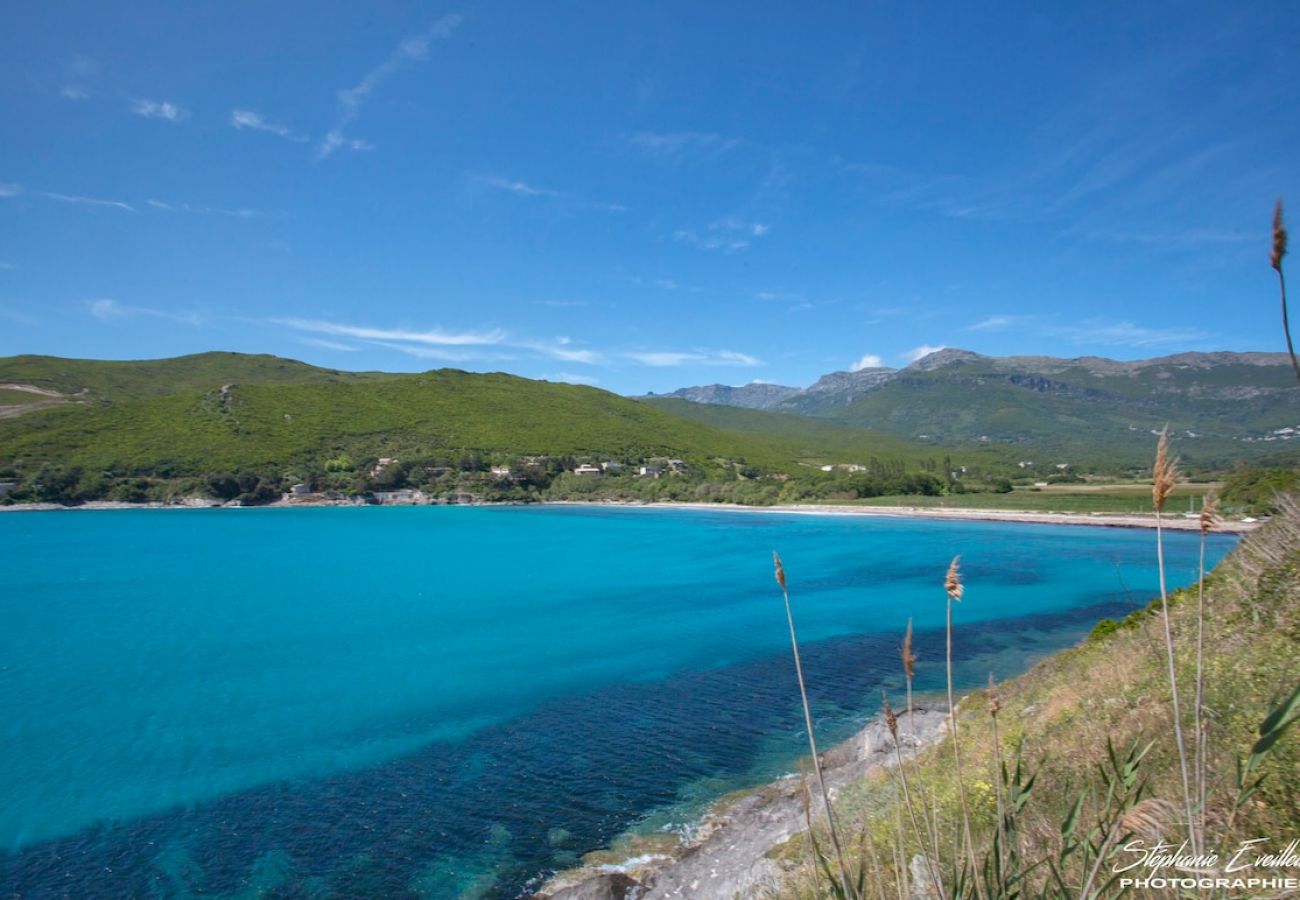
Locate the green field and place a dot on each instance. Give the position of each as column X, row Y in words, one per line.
column 1111, row 498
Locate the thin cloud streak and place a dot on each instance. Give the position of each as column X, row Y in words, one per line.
column 432, row 337
column 240, row 213
column 524, row 189
column 1126, row 334
column 241, row 119
column 327, row 345
column 411, row 50
column 676, row 144
column 672, row 358
column 88, row 201
column 106, row 310
column 520, row 188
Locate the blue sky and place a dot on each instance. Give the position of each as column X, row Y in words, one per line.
column 645, row 196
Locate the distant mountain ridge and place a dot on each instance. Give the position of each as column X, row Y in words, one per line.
column 1220, row 402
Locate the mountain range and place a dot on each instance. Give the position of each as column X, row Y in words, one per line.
column 1220, row 406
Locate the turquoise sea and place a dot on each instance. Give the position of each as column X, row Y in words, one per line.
column 454, row 701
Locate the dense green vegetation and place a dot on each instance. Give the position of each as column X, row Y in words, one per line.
column 1255, row 490
column 248, row 427
column 230, row 426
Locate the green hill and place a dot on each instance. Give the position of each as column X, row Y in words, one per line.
column 99, row 423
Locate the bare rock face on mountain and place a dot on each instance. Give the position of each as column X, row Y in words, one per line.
column 750, row 396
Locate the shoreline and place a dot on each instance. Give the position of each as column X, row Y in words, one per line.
column 726, row 852
column 960, row 514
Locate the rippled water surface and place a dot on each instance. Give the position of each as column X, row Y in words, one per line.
column 449, row 701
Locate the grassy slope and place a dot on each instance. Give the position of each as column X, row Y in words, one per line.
column 1062, row 712
column 816, row 440
column 1134, row 498
column 134, row 379
column 173, row 415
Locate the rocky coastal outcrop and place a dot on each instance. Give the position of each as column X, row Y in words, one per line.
column 727, row 855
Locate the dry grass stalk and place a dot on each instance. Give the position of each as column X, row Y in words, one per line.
column 1201, row 767
column 1279, row 251
column 1163, row 475
column 812, row 739
column 891, row 722
column 995, row 707
column 909, row 670
column 953, row 587
column 1148, row 818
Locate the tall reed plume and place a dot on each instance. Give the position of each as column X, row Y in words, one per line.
column 1275, row 258
column 953, row 587
column 808, row 722
column 1164, row 474
column 909, row 670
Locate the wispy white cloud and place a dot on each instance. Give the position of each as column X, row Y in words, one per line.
column 1000, row 323
column 107, row 310
column 88, row 201
column 728, row 235
column 246, row 118
column 676, row 144
column 76, row 73
column 442, row 354
column 520, row 188
column 238, row 213
column 327, row 345
column 411, row 50
column 431, row 337
column 10, row 190
column 561, row 351
column 158, row 109
column 524, row 189
column 673, row 358
column 710, row 241
column 560, row 304
column 1127, row 334
column 869, row 361
column 922, row 351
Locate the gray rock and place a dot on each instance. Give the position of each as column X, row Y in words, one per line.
column 607, row 886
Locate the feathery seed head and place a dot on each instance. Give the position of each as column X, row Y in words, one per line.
column 1149, row 818
column 952, row 581
column 1164, row 473
column 909, row 658
column 1279, row 237
column 780, row 569
column 891, row 720
column 1209, row 513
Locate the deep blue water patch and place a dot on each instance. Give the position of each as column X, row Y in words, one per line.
column 432, row 702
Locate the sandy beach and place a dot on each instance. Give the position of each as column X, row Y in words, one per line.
column 1107, row 520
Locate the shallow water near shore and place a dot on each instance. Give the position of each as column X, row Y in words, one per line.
column 446, row 701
